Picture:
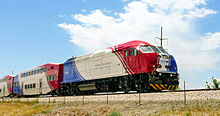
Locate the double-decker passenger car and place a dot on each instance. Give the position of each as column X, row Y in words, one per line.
column 6, row 86
column 43, row 79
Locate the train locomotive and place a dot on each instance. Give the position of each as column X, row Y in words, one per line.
column 132, row 66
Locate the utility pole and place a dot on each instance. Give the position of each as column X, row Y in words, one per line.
column 12, row 72
column 161, row 37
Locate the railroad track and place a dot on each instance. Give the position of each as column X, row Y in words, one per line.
column 188, row 90
column 192, row 94
column 135, row 92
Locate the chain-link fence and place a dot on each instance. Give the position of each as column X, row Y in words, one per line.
column 138, row 98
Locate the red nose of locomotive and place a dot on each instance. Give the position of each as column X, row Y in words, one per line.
column 161, row 67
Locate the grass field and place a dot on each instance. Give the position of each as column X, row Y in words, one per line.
column 23, row 108
column 164, row 108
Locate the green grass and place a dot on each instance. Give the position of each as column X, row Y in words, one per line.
column 45, row 111
column 114, row 113
column 37, row 106
column 188, row 114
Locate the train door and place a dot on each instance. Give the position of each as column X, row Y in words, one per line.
column 40, row 86
column 22, row 87
column 4, row 90
column 131, row 57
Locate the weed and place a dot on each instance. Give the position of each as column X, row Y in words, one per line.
column 188, row 114
column 54, row 101
column 35, row 101
column 37, row 106
column 45, row 111
column 17, row 101
column 114, row 113
column 136, row 102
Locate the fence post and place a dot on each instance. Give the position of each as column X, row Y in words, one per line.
column 64, row 99
column 184, row 93
column 107, row 95
column 49, row 99
column 83, row 98
column 139, row 94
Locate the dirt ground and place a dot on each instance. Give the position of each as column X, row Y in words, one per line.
column 209, row 107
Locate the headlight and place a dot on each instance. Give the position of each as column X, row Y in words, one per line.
column 167, row 67
column 165, row 57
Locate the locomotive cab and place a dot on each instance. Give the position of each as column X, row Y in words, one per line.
column 164, row 74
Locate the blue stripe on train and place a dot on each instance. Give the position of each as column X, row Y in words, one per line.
column 70, row 72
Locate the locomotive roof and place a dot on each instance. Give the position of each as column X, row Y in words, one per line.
column 130, row 44
column 134, row 43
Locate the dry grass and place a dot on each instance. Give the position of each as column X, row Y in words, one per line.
column 119, row 108
column 194, row 108
column 22, row 108
column 210, row 107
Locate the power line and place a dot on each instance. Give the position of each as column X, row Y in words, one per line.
column 182, row 41
column 199, row 64
column 202, row 53
column 194, row 40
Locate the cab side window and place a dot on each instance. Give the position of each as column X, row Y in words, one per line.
column 133, row 51
column 126, row 53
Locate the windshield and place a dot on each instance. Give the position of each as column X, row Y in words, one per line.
column 155, row 49
column 145, row 49
column 161, row 49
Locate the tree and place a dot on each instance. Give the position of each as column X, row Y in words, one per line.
column 213, row 84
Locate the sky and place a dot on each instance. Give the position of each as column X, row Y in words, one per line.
column 36, row 32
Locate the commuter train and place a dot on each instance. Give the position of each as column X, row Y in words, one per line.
column 132, row 66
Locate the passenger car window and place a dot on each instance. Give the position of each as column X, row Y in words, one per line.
column 34, row 85
column 45, row 69
column 54, row 77
column 51, row 77
column 41, row 70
